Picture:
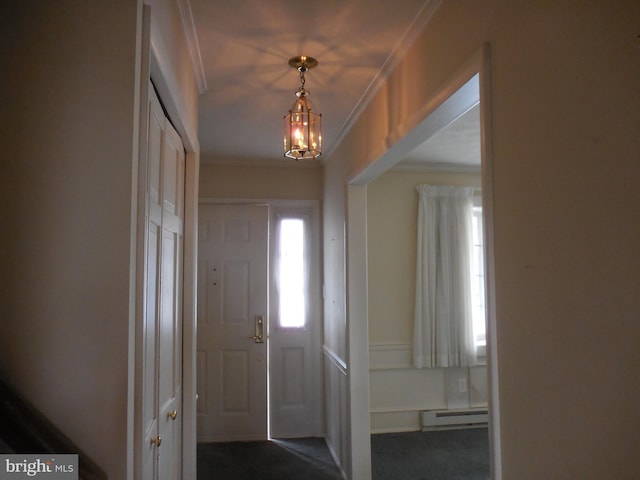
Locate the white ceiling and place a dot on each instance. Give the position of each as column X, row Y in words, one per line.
column 247, row 85
column 455, row 147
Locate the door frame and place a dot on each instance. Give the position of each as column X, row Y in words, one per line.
column 315, row 285
column 150, row 64
column 407, row 137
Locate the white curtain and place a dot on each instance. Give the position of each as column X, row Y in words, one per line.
column 443, row 329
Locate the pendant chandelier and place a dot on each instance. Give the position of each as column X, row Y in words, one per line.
column 302, row 127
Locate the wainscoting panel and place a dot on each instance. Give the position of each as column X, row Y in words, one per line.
column 478, row 394
column 390, row 355
column 410, row 389
column 398, row 392
column 336, row 414
column 392, row 422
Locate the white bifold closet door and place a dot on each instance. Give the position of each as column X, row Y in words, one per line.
column 162, row 332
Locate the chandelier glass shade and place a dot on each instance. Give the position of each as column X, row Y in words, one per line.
column 302, row 126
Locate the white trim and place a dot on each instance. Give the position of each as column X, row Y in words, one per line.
column 230, row 438
column 334, row 358
column 389, row 346
column 168, row 90
column 278, row 202
column 189, row 27
column 397, row 356
column 375, row 431
column 436, row 168
column 189, row 311
column 412, row 408
column 358, row 332
column 261, row 162
column 486, row 137
column 136, row 331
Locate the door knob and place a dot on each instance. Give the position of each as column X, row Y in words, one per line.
column 172, row 415
column 156, row 441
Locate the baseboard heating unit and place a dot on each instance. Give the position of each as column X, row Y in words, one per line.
column 450, row 419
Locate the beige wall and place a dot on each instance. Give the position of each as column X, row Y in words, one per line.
column 291, row 183
column 72, row 71
column 566, row 107
column 398, row 391
column 69, row 85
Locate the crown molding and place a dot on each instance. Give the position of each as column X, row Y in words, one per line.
column 435, row 167
column 416, row 26
column 228, row 161
column 189, row 27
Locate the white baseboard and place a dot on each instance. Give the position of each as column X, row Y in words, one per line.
column 395, row 421
column 230, row 438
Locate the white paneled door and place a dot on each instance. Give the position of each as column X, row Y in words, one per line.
column 162, row 331
column 232, row 322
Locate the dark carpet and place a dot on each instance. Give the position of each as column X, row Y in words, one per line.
column 443, row 455
column 304, row 458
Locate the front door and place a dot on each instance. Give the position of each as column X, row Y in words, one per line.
column 232, row 322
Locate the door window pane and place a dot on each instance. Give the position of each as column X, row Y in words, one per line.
column 291, row 273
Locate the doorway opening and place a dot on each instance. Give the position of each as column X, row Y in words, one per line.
column 467, row 88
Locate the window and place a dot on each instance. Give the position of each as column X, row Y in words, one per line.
column 477, row 281
column 291, row 254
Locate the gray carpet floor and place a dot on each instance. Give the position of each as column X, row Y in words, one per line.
column 304, row 458
column 445, row 455
column 441, row 455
